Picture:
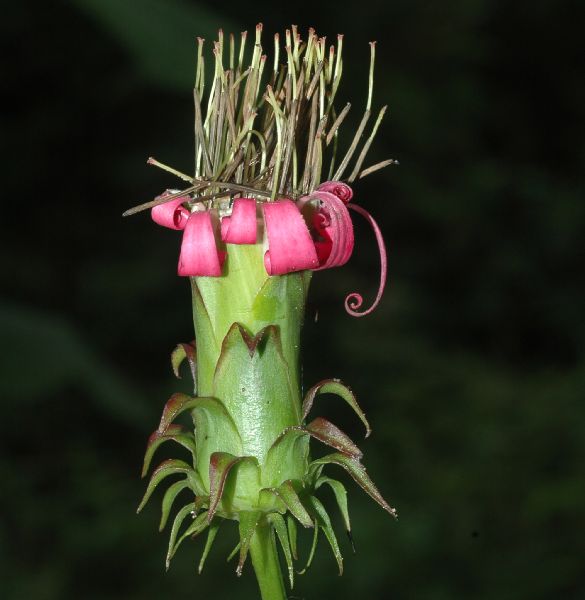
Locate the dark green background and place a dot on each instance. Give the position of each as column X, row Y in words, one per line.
column 472, row 370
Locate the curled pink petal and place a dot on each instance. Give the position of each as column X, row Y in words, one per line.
column 290, row 247
column 333, row 224
column 354, row 300
column 199, row 254
column 338, row 188
column 241, row 226
column 171, row 214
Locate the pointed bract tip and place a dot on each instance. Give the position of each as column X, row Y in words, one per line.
column 350, row 537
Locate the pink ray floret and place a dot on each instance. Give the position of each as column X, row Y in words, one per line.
column 199, row 253
column 171, row 214
column 290, row 247
column 332, row 223
column 338, row 188
column 241, row 226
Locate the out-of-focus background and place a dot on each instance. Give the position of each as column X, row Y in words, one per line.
column 472, row 370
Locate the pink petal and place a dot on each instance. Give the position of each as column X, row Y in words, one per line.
column 354, row 300
column 338, row 188
column 199, row 253
column 290, row 247
column 171, row 214
column 333, row 224
column 241, row 226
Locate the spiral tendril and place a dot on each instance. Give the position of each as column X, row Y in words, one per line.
column 354, row 300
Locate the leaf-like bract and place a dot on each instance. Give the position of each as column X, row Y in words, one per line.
column 199, row 524
column 212, row 532
column 165, row 469
column 179, row 354
column 168, row 499
column 179, row 518
column 174, row 433
column 282, row 534
column 340, row 496
column 291, row 525
column 358, row 473
column 334, row 386
column 324, row 523
column 287, row 493
column 324, row 431
column 248, row 521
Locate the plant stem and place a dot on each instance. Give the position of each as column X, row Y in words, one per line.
column 266, row 563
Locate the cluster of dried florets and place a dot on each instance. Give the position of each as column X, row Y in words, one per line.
column 253, row 148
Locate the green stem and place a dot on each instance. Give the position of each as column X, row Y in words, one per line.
column 266, row 563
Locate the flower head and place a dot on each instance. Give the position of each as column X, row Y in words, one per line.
column 257, row 202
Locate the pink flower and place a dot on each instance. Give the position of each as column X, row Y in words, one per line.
column 333, row 227
column 199, row 254
column 241, row 226
column 290, row 247
column 171, row 214
column 340, row 189
column 316, row 233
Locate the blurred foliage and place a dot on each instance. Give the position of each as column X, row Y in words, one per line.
column 472, row 371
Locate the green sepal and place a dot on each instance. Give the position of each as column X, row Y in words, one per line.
column 220, row 465
column 179, row 403
column 284, row 295
column 166, row 468
column 215, row 431
column 282, row 534
column 324, row 522
column 357, row 472
column 205, row 336
column 200, row 523
column 241, row 491
column 253, row 381
column 288, row 494
column 179, row 354
column 168, row 499
column 340, row 496
column 174, row 433
column 324, row 431
column 212, row 533
column 213, row 426
column 291, row 525
column 179, row 518
column 246, row 294
column 248, row 522
column 290, row 447
column 334, row 386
